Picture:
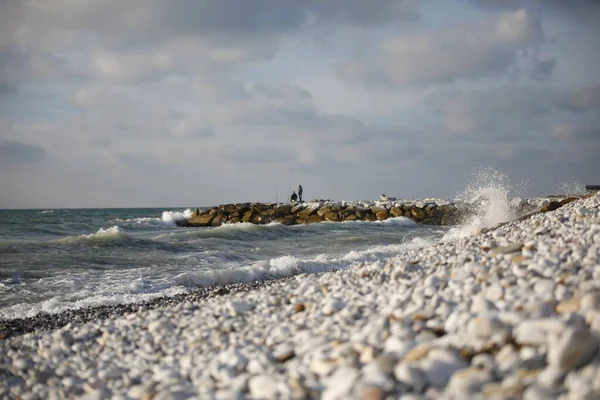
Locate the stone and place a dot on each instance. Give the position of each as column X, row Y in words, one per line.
column 534, row 331
column 262, row 387
column 238, row 307
column 590, row 301
column 283, row 353
column 568, row 306
column 439, row 366
column 418, row 213
column 550, row 206
column 332, row 306
column 340, row 384
column 468, row 382
column 201, row 220
column 412, row 377
column 511, row 248
column 575, row 348
column 484, row 328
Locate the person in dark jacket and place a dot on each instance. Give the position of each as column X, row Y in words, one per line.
column 300, row 193
column 293, row 198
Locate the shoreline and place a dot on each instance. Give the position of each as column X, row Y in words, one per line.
column 52, row 321
column 511, row 312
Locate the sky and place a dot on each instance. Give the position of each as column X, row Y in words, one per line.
column 168, row 103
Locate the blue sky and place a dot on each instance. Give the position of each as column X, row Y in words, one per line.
column 187, row 103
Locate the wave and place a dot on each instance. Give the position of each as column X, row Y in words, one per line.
column 46, row 212
column 288, row 265
column 112, row 234
column 171, row 217
column 398, row 221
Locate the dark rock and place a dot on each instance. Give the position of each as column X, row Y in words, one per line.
column 551, row 206
column 201, row 220
column 418, row 213
column 396, row 211
column 382, row 214
column 332, row 217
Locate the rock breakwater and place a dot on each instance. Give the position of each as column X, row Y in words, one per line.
column 434, row 212
column 427, row 211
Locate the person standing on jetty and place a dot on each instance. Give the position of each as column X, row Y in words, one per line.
column 293, row 198
column 300, row 193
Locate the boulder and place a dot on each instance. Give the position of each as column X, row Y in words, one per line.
column 376, row 209
column 268, row 212
column 286, row 220
column 309, row 219
column 229, row 208
column 307, row 212
column 369, row 217
column 248, row 216
column 332, row 217
column 201, row 220
column 218, row 220
column 396, row 211
column 382, row 214
column 418, row 213
column 323, row 210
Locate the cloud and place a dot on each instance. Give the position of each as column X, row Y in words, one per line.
column 490, row 110
column 577, row 132
column 141, row 40
column 583, row 98
column 467, row 51
column 140, row 162
column 12, row 152
column 7, row 88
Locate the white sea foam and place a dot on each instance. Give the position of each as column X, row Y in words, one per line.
column 398, row 221
column 46, row 212
column 489, row 196
column 112, row 233
column 171, row 217
column 140, row 220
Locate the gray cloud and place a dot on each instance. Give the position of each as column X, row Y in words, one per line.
column 7, row 88
column 468, row 51
column 580, row 98
column 12, row 152
column 491, row 110
column 577, row 132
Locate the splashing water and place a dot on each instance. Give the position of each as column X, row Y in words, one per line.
column 489, row 197
column 572, row 188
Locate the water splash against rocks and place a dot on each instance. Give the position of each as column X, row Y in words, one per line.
column 489, row 196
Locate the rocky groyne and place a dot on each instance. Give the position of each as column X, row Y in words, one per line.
column 434, row 212
column 427, row 211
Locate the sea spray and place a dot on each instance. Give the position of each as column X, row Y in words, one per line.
column 572, row 188
column 489, row 197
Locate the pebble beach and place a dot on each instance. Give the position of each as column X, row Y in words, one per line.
column 507, row 314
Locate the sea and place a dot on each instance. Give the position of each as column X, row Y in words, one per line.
column 57, row 259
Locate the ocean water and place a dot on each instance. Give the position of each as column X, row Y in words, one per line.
column 51, row 260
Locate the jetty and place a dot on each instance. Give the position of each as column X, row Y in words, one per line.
column 426, row 211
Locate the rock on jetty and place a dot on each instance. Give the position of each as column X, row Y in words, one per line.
column 429, row 211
